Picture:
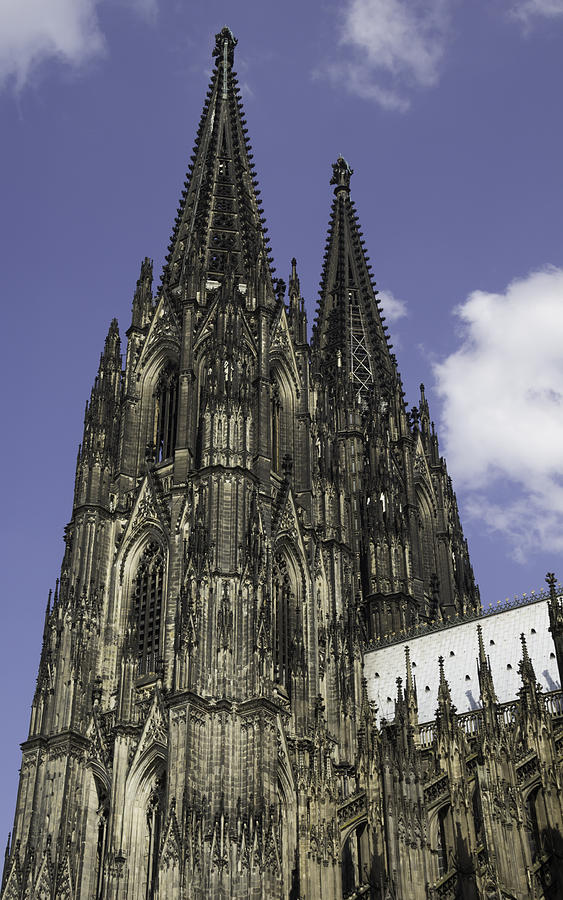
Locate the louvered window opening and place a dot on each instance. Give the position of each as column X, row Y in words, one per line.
column 165, row 415
column 282, row 602
column 148, row 608
column 154, row 829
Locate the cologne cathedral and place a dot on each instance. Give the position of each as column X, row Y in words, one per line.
column 255, row 514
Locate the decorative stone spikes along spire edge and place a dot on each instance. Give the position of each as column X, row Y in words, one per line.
column 423, row 404
column 100, row 438
column 525, row 667
column 555, row 610
column 444, row 694
column 106, row 383
column 410, row 683
column 294, row 287
column 219, row 212
column 402, row 717
column 142, row 298
column 45, row 647
column 349, row 335
column 532, row 706
column 399, row 702
column 446, row 710
column 297, row 316
column 486, row 685
column 555, row 603
column 112, row 347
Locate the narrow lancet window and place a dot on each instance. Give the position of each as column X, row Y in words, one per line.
column 103, row 814
column 148, row 607
column 276, row 437
column 165, row 414
column 154, row 830
column 283, row 600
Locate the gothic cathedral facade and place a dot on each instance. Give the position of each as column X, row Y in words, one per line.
column 251, row 511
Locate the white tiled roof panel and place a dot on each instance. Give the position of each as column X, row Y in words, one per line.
column 458, row 645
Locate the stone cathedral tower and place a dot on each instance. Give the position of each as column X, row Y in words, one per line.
column 250, row 511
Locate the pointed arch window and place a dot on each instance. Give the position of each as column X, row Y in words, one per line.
column 165, row 413
column 283, row 600
column 537, row 821
column 148, row 592
column 477, row 815
column 443, row 826
column 155, row 808
column 282, row 414
column 101, row 850
column 102, row 816
column 276, row 427
column 355, row 861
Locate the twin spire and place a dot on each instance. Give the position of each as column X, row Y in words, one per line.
column 219, row 229
column 220, row 234
column 349, row 333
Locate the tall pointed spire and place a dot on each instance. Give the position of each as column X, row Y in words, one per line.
column 142, row 299
column 489, row 698
column 532, row 709
column 444, row 694
column 555, row 609
column 349, row 333
column 99, row 420
column 297, row 316
column 488, row 695
column 446, row 713
column 101, row 425
column 411, row 698
column 219, row 224
column 525, row 667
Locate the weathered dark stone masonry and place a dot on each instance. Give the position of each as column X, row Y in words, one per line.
column 255, row 518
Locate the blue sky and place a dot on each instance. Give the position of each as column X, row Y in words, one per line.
column 450, row 114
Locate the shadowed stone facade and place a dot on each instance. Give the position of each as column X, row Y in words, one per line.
column 251, row 513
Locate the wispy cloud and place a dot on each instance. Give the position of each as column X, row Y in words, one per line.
column 527, row 10
column 393, row 308
column 387, row 48
column 502, row 393
column 33, row 31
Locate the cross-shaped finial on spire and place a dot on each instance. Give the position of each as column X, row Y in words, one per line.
column 225, row 37
column 341, row 174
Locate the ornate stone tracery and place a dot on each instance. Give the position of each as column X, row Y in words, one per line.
column 252, row 510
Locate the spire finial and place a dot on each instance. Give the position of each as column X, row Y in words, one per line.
column 486, row 685
column 409, row 683
column 444, row 695
column 551, row 580
column 112, row 344
column 526, row 668
column 399, row 682
column 294, row 288
column 225, row 43
column 341, row 174
column 482, row 657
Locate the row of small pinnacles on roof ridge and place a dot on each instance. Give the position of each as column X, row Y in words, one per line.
column 553, row 592
column 452, row 654
column 525, row 670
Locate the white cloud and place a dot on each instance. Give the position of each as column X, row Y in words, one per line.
column 393, row 308
column 525, row 10
column 32, row 31
column 390, row 46
column 502, row 393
